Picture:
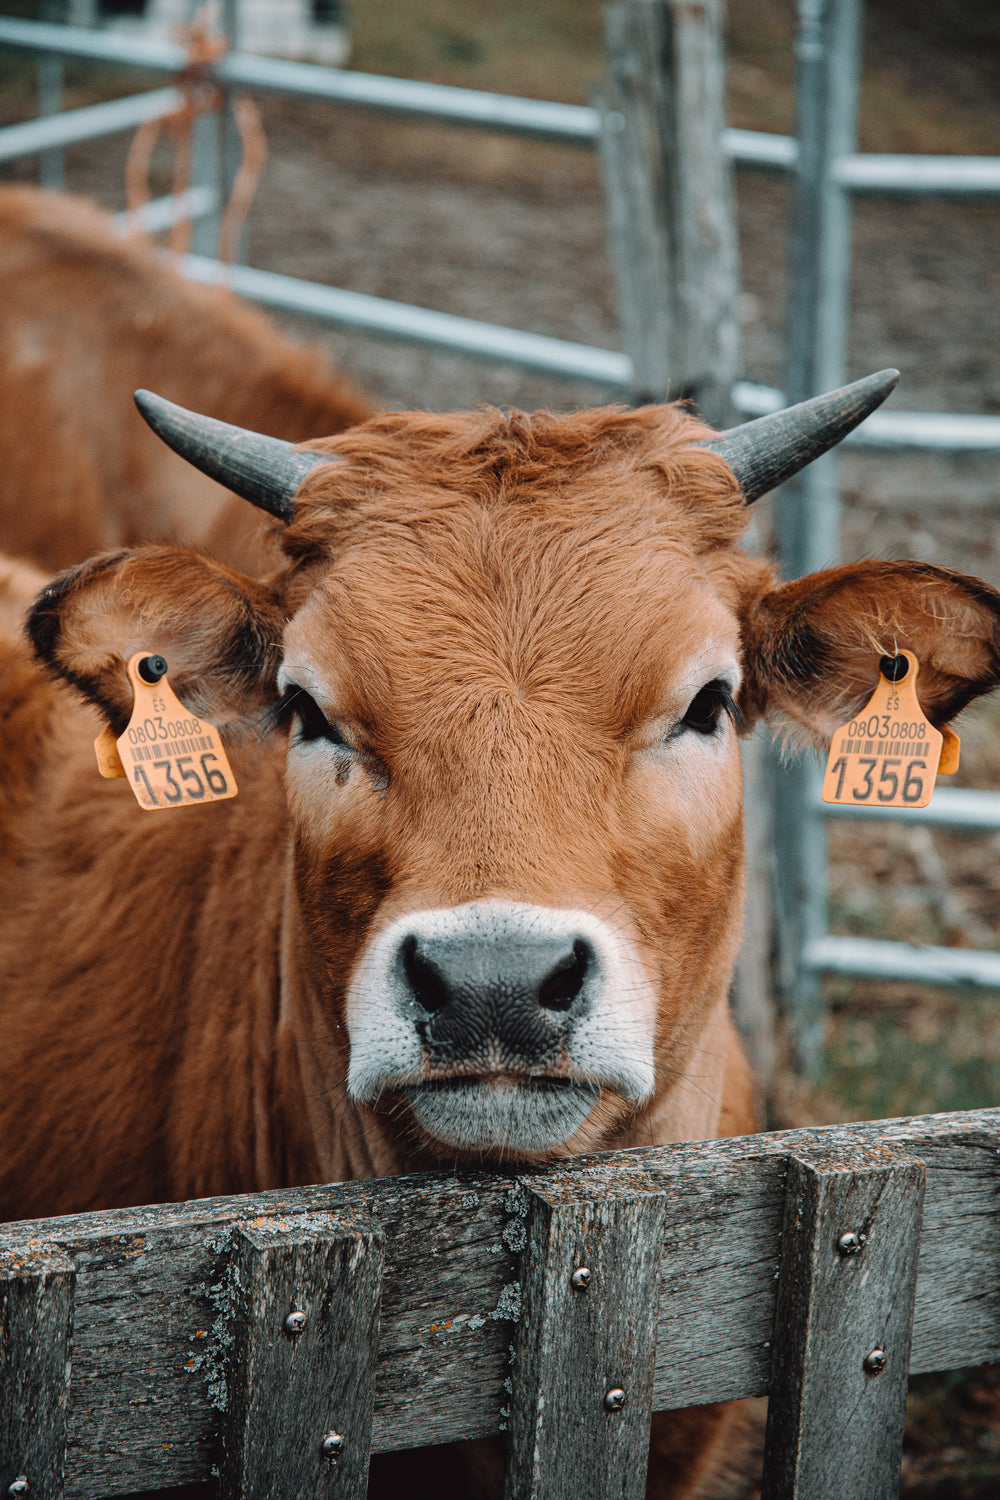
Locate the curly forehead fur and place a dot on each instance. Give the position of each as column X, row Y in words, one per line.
column 634, row 474
column 558, row 558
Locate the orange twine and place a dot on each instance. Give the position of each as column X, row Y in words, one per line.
column 200, row 95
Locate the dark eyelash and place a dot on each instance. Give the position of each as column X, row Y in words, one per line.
column 296, row 703
column 716, row 699
column 280, row 713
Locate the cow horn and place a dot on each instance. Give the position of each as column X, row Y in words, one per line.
column 764, row 453
column 264, row 470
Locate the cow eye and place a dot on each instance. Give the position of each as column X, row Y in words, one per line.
column 313, row 724
column 707, row 708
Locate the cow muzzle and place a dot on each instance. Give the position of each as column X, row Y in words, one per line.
column 501, row 1022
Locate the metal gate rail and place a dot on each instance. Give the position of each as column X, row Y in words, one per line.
column 541, row 119
column 572, row 124
column 828, row 48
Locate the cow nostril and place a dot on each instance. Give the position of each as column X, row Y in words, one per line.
column 563, row 983
column 427, row 984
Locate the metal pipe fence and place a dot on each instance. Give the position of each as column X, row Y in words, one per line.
column 571, row 124
column 826, row 170
column 828, row 55
column 578, row 125
column 90, row 123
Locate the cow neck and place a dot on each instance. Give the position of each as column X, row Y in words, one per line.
column 329, row 1137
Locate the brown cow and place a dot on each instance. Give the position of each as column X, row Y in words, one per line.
column 85, row 317
column 478, row 899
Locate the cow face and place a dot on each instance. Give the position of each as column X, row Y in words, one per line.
column 510, row 706
column 508, row 661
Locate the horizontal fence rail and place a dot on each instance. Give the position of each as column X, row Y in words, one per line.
column 124, row 1323
column 891, row 431
column 871, row 958
column 158, row 214
column 572, row 124
column 958, row 808
column 421, row 325
column 382, row 317
column 92, row 122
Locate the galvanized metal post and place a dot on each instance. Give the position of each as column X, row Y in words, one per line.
column 231, row 23
column 81, row 12
column 206, row 173
column 52, row 164
column 232, row 146
column 807, row 517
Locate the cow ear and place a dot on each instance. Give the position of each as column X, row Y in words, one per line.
column 219, row 631
column 812, row 647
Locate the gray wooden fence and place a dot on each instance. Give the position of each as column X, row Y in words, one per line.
column 280, row 1338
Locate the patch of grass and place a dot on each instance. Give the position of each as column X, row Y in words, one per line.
column 902, row 1050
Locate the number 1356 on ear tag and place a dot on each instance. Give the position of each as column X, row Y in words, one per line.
column 890, row 754
column 169, row 757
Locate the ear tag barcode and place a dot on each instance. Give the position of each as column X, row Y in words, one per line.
column 169, row 756
column 890, row 754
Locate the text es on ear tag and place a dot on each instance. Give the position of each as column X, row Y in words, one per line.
column 888, row 755
column 171, row 758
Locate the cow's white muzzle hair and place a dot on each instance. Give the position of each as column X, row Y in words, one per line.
column 500, row 1021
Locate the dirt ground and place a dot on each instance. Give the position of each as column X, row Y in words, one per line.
column 513, row 233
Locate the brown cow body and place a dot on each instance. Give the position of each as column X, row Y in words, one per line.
column 85, row 317
column 508, row 649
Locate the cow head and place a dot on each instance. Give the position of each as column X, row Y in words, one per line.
column 510, row 658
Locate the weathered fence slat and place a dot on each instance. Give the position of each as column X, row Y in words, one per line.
column 582, row 1386
column 843, row 1324
column 147, row 1345
column 633, row 167
column 671, row 213
column 36, row 1329
column 301, row 1384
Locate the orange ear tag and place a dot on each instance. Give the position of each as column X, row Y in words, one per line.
column 109, row 762
column 889, row 755
column 169, row 757
column 949, row 752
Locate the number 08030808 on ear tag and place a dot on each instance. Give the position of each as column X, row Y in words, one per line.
column 169, row 756
column 890, row 754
